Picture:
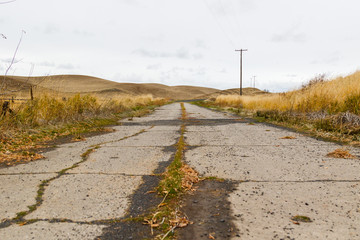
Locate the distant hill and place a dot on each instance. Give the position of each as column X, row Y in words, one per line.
column 70, row 84
column 233, row 91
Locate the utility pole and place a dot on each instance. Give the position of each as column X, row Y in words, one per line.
column 241, row 51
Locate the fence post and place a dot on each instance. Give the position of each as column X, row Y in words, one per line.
column 31, row 93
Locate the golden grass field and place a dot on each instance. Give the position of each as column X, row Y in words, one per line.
column 338, row 95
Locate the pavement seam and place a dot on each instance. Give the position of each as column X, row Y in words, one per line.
column 114, row 174
column 123, row 138
column 294, row 181
column 265, row 145
column 88, row 173
column 19, row 219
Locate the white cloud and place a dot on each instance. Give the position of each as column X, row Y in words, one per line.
column 181, row 53
column 51, row 29
column 67, row 66
column 291, row 34
column 83, row 33
column 133, row 77
column 46, row 64
column 154, row 66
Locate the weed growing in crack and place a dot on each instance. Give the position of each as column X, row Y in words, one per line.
column 177, row 179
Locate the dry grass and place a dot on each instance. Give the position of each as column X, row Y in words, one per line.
column 46, row 118
column 288, row 137
column 341, row 153
column 326, row 108
column 338, row 95
column 47, row 110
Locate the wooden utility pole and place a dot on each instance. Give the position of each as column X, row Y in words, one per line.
column 241, row 51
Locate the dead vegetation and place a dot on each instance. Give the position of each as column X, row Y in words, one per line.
column 32, row 123
column 190, row 177
column 333, row 96
column 288, row 137
column 341, row 153
column 326, row 108
column 178, row 179
column 299, row 218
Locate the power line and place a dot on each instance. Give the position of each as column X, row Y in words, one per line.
column 218, row 23
column 234, row 24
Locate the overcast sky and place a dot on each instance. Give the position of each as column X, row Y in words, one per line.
column 187, row 42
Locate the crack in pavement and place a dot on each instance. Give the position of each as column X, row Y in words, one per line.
column 264, row 208
column 256, row 145
column 112, row 174
column 126, row 137
column 42, row 187
column 83, row 173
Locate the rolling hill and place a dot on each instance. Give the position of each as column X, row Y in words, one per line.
column 70, row 84
column 233, row 91
column 66, row 85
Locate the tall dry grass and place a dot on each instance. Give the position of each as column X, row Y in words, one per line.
column 48, row 110
column 338, row 95
column 34, row 122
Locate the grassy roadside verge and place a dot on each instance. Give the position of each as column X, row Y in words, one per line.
column 326, row 108
column 331, row 127
column 39, row 125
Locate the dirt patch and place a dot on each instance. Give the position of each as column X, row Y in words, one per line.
column 209, row 210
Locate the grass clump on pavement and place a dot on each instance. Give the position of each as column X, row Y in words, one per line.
column 171, row 184
column 299, row 218
column 177, row 179
column 341, row 153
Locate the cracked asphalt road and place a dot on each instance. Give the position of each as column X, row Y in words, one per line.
column 82, row 196
column 274, row 179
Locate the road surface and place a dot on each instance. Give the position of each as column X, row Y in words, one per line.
column 81, row 188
